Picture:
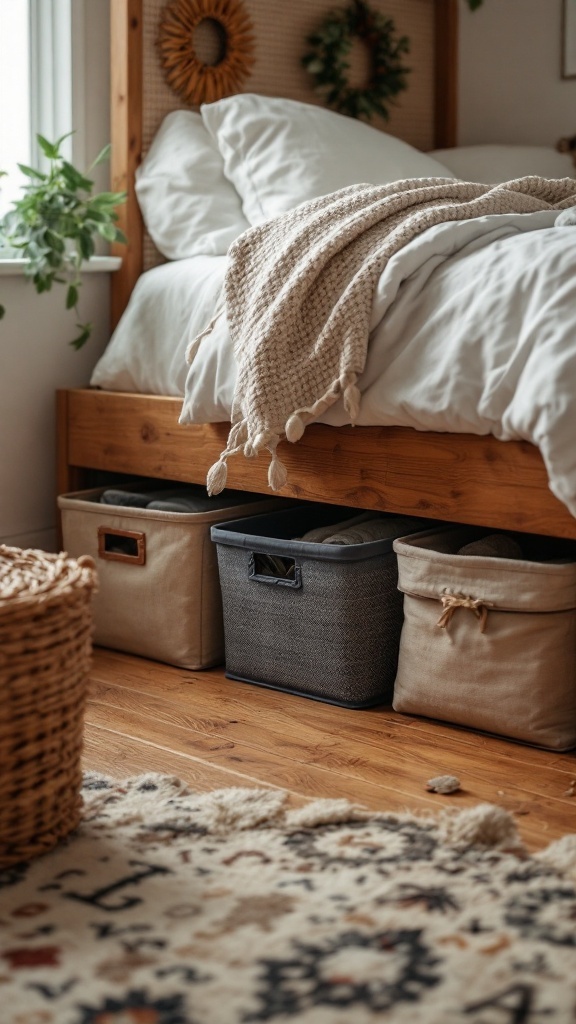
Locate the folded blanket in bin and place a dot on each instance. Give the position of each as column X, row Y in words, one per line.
column 174, row 499
column 362, row 529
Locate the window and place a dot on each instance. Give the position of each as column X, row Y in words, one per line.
column 36, row 38
column 15, row 132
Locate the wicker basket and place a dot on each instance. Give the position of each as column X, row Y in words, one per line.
column 45, row 648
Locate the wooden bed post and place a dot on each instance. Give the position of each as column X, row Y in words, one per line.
column 126, row 136
column 68, row 478
column 446, row 73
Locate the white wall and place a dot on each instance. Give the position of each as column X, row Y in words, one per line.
column 510, row 84
column 35, row 358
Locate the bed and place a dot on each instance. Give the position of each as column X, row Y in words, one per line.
column 464, row 477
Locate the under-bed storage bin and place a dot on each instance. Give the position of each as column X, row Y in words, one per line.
column 158, row 591
column 318, row 620
column 489, row 642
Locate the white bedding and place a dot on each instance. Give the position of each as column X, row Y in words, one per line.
column 171, row 303
column 473, row 323
column 473, row 330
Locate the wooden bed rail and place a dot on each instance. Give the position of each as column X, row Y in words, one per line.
column 458, row 477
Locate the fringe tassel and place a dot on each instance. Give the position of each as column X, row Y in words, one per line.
column 192, row 347
column 277, row 474
column 218, row 473
column 345, row 386
column 217, row 476
column 238, row 439
column 352, row 401
column 295, row 427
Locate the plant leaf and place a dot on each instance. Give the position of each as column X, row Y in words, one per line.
column 71, row 297
column 74, row 178
column 103, row 155
column 108, row 231
column 67, row 135
column 85, row 332
column 31, row 172
column 108, row 199
column 50, row 149
column 55, row 241
column 86, row 243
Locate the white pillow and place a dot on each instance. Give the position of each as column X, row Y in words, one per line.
column 495, row 163
column 279, row 153
column 169, row 306
column 188, row 206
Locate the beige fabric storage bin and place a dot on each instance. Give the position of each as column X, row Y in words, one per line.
column 488, row 643
column 162, row 600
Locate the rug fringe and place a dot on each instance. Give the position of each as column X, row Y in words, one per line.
column 485, row 825
column 560, row 855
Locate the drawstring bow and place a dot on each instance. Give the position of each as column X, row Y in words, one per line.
column 450, row 602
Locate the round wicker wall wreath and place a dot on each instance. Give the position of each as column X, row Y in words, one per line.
column 327, row 60
column 195, row 81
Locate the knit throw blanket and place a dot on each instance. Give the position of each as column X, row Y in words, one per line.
column 299, row 289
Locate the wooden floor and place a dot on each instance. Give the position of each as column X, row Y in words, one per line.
column 213, row 732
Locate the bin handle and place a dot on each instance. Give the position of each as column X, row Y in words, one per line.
column 134, row 552
column 278, row 581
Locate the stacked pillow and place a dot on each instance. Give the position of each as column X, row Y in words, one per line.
column 246, row 158
column 279, row 153
column 188, row 206
column 496, row 163
column 208, row 177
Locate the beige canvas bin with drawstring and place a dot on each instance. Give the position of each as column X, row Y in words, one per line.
column 488, row 643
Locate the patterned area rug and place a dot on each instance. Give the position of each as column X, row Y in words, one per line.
column 169, row 907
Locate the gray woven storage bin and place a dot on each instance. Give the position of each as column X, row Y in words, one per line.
column 332, row 632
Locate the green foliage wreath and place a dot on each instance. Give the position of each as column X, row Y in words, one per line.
column 327, row 60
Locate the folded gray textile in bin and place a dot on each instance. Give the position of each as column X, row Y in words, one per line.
column 174, row 499
column 361, row 529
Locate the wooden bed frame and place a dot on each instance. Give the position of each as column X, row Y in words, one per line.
column 457, row 477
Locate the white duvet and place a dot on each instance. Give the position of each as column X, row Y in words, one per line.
column 473, row 330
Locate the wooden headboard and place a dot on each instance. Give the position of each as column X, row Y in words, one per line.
column 425, row 115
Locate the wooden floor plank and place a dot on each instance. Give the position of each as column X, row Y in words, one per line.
column 374, row 726
column 121, row 756
column 417, row 752
column 269, row 765
column 215, row 732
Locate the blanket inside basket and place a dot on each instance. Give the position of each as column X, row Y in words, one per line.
column 299, row 291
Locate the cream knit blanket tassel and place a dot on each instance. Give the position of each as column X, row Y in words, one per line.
column 299, row 292
column 295, row 426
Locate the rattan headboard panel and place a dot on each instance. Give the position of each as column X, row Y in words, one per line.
column 280, row 30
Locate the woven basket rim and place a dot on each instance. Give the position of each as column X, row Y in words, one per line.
column 30, row 576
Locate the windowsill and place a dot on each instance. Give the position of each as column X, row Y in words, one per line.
column 11, row 266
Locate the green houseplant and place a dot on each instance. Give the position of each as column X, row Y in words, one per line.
column 55, row 223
